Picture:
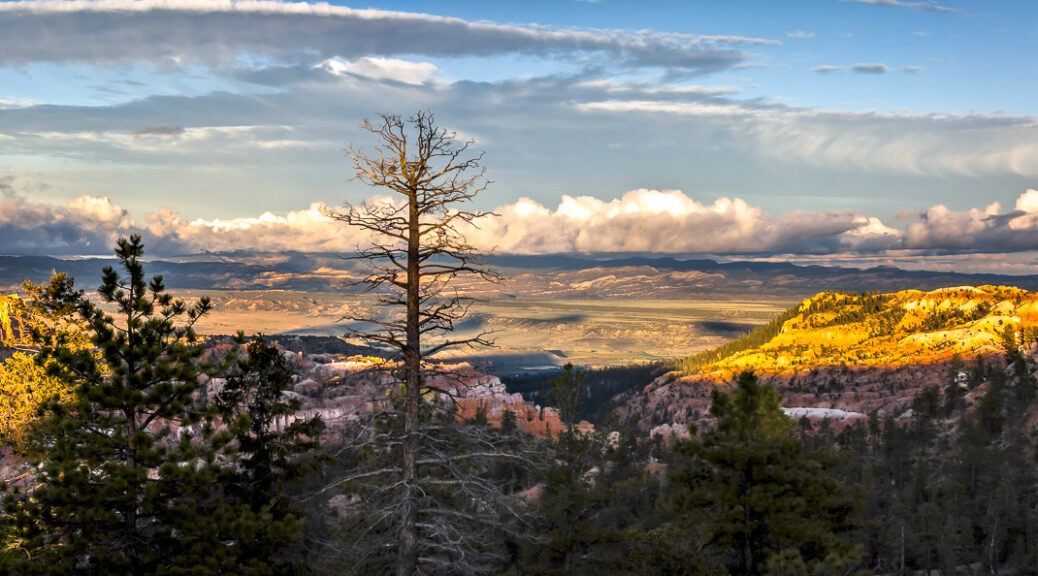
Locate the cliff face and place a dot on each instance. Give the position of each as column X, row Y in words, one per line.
column 841, row 357
column 476, row 393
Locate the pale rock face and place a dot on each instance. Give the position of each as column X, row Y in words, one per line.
column 670, row 432
column 345, row 390
column 823, row 414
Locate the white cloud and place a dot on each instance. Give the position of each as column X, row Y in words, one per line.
column 643, row 220
column 987, row 228
column 800, row 34
column 640, row 221
column 87, row 224
column 416, row 73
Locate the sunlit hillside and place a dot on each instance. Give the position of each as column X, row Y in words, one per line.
column 879, row 330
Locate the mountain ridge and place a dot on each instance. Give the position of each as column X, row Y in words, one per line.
column 562, row 276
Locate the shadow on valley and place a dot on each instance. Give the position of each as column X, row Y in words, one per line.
column 601, row 387
column 722, row 328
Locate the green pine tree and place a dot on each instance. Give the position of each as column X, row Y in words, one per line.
column 129, row 478
column 762, row 500
column 269, row 445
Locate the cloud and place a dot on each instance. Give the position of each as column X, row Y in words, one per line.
column 988, row 228
column 7, row 185
column 159, row 132
column 919, row 144
column 664, row 221
column 86, row 225
column 643, row 220
column 918, row 6
column 916, row 70
column 867, row 68
column 217, row 33
column 382, row 69
column 568, row 129
column 800, row 34
column 640, row 221
column 828, row 69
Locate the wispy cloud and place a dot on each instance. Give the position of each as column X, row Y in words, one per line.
column 920, row 144
column 931, row 6
column 913, row 70
column 800, row 34
column 216, row 33
column 828, row 69
column 869, row 68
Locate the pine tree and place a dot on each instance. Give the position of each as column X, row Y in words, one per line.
column 766, row 503
column 269, row 446
column 126, row 483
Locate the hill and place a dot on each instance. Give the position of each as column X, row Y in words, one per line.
column 846, row 356
column 911, row 327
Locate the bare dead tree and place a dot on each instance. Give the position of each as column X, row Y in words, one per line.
column 419, row 503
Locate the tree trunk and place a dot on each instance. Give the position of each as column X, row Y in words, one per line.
column 407, row 561
column 130, row 514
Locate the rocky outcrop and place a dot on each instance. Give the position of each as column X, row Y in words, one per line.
column 839, row 396
column 343, row 390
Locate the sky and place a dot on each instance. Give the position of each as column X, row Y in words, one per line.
column 858, row 132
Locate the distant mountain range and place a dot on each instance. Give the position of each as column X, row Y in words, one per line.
column 550, row 276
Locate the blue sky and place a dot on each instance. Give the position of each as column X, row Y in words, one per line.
column 863, row 131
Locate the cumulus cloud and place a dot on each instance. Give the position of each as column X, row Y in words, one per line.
column 86, row 225
column 217, row 33
column 306, row 230
column 869, row 68
column 665, row 221
column 988, row 228
column 640, row 221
